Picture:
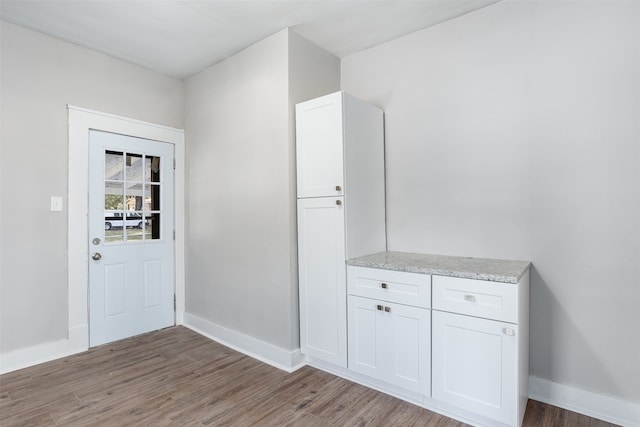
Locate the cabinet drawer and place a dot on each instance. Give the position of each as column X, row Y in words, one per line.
column 479, row 298
column 394, row 286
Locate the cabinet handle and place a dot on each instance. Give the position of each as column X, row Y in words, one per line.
column 470, row 298
column 338, row 202
column 508, row 331
column 338, row 188
column 379, row 307
column 387, row 309
column 383, row 285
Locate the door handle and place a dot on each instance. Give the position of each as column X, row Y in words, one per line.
column 96, row 256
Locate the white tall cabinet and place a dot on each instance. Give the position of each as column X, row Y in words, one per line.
column 341, row 212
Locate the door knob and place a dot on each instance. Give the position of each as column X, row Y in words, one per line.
column 96, row 256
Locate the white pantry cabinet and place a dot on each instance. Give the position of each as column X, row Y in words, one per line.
column 341, row 212
column 480, row 346
column 390, row 326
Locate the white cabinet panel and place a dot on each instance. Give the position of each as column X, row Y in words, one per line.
column 319, row 147
column 409, row 347
column 390, row 342
column 475, row 365
column 322, row 276
column 367, row 341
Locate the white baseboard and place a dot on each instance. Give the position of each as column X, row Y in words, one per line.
column 585, row 402
column 286, row 360
column 77, row 342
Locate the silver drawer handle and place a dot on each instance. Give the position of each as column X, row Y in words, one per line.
column 470, row 298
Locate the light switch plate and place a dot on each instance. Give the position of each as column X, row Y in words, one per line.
column 56, row 204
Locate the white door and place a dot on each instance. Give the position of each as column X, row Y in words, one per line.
column 131, row 273
column 474, row 365
column 319, row 147
column 367, row 337
column 323, row 288
column 409, row 347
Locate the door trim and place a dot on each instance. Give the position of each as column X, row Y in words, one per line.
column 80, row 121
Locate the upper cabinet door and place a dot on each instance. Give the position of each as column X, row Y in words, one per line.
column 319, row 147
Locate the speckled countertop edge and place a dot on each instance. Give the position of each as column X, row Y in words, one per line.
column 495, row 270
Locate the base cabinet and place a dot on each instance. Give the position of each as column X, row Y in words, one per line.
column 457, row 344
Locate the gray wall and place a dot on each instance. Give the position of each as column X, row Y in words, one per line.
column 241, row 253
column 513, row 132
column 39, row 77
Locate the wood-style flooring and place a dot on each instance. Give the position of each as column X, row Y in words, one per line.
column 176, row 377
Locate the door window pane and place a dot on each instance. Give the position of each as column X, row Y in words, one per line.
column 113, row 231
column 151, row 197
column 134, row 167
column 154, row 226
column 113, row 193
column 152, row 169
column 113, row 165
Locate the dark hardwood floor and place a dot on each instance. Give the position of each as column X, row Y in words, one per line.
column 176, row 377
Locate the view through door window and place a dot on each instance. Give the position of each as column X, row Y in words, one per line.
column 131, row 197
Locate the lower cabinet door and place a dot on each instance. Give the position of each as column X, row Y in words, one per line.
column 322, row 279
column 408, row 347
column 367, row 342
column 475, row 365
column 390, row 342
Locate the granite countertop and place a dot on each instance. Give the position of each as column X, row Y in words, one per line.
column 495, row 270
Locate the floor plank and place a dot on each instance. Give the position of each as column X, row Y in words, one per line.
column 176, row 377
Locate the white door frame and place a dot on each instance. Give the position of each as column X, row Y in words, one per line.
column 80, row 121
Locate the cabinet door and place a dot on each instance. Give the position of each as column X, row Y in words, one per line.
column 319, row 147
column 367, row 337
column 474, row 365
column 409, row 347
column 322, row 279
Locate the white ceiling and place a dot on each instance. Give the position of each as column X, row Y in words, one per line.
column 182, row 37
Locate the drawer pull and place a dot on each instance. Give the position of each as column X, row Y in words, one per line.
column 379, row 307
column 470, row 298
column 338, row 188
column 383, row 285
column 387, row 309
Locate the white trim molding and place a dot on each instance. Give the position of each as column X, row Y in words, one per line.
column 34, row 355
column 585, row 402
column 287, row 360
